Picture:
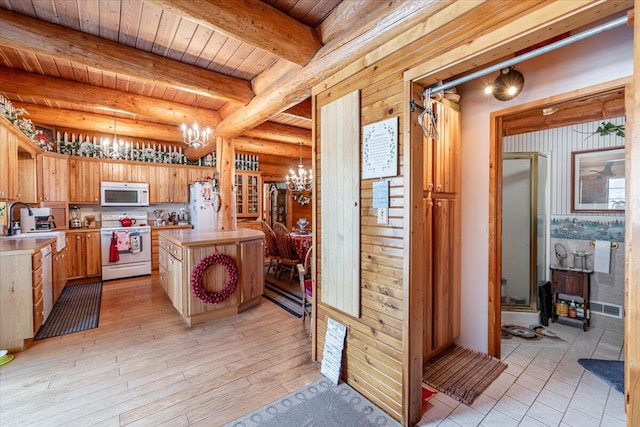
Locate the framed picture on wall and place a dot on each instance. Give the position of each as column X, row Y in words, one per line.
column 598, row 180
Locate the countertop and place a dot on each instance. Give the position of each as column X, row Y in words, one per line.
column 25, row 245
column 211, row 237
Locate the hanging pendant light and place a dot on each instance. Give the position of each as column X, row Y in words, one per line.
column 302, row 180
column 194, row 136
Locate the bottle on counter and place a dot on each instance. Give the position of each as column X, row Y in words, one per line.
column 572, row 309
column 16, row 228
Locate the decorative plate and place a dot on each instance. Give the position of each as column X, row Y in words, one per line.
column 85, row 148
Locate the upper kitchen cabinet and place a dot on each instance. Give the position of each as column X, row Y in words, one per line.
column 442, row 149
column 17, row 164
column 248, row 192
column 168, row 184
column 53, row 178
column 84, row 180
column 124, row 171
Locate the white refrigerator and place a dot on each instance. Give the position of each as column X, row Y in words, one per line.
column 201, row 206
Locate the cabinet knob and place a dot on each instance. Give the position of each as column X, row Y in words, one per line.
column 430, row 204
column 439, row 204
column 430, row 186
column 439, row 186
column 78, row 237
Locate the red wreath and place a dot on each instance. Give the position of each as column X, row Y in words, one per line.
column 198, row 274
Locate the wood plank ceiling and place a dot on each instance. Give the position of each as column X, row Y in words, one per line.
column 155, row 64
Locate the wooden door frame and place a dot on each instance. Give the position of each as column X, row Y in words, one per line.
column 495, row 194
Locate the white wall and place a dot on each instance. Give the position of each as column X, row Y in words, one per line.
column 607, row 56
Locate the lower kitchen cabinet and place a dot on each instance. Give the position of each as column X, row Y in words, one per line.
column 83, row 258
column 21, row 298
column 155, row 247
column 59, row 273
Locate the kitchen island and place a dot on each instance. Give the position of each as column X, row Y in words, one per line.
column 199, row 268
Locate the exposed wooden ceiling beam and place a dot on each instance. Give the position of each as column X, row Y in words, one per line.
column 59, row 90
column 601, row 107
column 384, row 23
column 293, row 135
column 100, row 123
column 253, row 22
column 25, row 33
column 261, row 146
column 300, row 111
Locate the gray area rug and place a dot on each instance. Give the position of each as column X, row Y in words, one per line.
column 320, row 404
column 77, row 309
column 609, row 371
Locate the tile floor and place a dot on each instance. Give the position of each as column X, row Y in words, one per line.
column 543, row 386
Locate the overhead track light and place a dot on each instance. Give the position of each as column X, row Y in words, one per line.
column 507, row 85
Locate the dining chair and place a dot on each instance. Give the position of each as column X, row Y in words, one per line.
column 271, row 247
column 286, row 251
column 304, row 274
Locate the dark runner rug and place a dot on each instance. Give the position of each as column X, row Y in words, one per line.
column 318, row 404
column 609, row 371
column 77, row 309
column 461, row 373
column 285, row 295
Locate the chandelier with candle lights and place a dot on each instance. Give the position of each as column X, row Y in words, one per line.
column 302, row 180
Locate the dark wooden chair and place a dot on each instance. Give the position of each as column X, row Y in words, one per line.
column 271, row 247
column 287, row 253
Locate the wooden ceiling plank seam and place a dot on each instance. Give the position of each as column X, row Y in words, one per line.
column 89, row 17
column 255, row 63
column 110, row 13
column 165, row 33
column 148, row 27
column 180, row 43
column 211, row 50
column 130, row 15
column 319, row 11
column 197, row 44
column 79, row 47
column 253, row 22
column 68, row 15
column 219, row 62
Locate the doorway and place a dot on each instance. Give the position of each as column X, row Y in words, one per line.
column 501, row 120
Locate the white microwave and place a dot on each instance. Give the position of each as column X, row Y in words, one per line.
column 124, row 193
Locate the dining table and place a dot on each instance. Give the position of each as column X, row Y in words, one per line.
column 301, row 241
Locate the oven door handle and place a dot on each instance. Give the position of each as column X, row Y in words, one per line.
column 108, row 232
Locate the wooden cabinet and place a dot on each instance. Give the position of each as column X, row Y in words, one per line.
column 38, row 292
column 442, row 153
column 170, row 257
column 8, row 164
column 21, row 298
column 248, row 194
column 83, row 258
column 84, row 180
column 53, row 178
column 572, row 283
column 155, row 244
column 441, row 206
column 168, row 184
column 125, row 171
column 442, row 253
column 59, row 273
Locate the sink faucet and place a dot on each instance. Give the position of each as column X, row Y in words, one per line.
column 10, row 209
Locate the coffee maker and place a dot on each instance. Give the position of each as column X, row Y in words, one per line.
column 183, row 217
column 75, row 221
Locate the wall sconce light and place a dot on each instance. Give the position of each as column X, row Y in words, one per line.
column 507, row 85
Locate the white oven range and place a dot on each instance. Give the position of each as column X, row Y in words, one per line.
column 132, row 244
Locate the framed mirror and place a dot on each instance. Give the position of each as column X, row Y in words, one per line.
column 598, row 180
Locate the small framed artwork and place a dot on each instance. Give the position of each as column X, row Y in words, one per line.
column 44, row 137
column 598, row 180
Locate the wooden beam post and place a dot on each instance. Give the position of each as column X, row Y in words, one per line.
column 225, row 165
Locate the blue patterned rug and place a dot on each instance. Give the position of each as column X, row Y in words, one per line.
column 284, row 295
column 77, row 309
column 318, row 404
column 609, row 371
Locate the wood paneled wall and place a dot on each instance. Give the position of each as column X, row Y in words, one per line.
column 373, row 353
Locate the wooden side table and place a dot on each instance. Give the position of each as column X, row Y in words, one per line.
column 573, row 282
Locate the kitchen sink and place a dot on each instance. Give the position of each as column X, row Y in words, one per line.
column 59, row 235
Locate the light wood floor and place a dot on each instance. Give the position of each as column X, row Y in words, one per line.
column 144, row 366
